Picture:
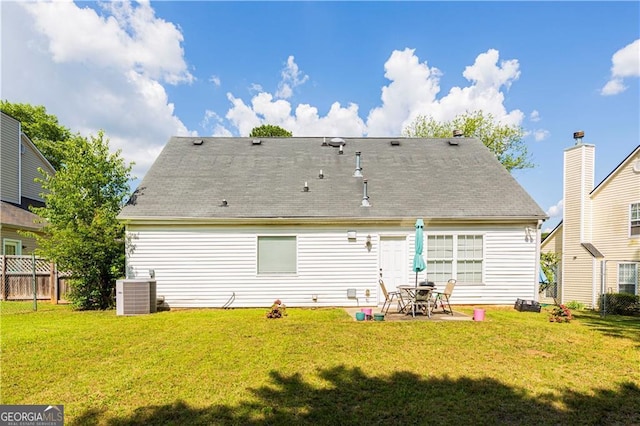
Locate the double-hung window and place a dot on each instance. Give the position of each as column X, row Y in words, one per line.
column 455, row 256
column 439, row 258
column 469, row 259
column 634, row 220
column 277, row 255
column 628, row 278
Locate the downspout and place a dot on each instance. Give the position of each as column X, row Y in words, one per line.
column 603, row 287
column 537, row 268
column 594, row 282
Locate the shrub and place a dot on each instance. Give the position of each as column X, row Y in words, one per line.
column 620, row 303
column 574, row 304
column 560, row 314
column 278, row 310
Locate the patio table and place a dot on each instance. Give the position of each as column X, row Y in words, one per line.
column 419, row 296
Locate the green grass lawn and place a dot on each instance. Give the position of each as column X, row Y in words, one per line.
column 189, row 367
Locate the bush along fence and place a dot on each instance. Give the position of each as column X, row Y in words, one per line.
column 26, row 278
column 619, row 304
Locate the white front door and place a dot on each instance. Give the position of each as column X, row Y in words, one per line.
column 393, row 263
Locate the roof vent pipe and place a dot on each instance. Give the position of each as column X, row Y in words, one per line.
column 458, row 133
column 358, row 172
column 577, row 136
column 341, row 150
column 365, row 196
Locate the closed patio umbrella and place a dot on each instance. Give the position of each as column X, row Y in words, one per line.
column 543, row 278
column 418, row 261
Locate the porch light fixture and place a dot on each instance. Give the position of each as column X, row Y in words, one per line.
column 368, row 243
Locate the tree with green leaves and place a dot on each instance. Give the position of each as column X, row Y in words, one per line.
column 42, row 128
column 81, row 232
column 504, row 140
column 269, row 131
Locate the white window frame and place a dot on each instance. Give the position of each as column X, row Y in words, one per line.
column 271, row 270
column 472, row 260
column 634, row 268
column 455, row 258
column 11, row 242
column 634, row 220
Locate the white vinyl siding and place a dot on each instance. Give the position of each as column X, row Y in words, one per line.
column 215, row 264
column 628, row 278
column 277, row 255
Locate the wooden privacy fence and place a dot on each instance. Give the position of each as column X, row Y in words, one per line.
column 19, row 273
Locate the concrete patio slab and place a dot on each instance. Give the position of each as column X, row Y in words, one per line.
column 395, row 316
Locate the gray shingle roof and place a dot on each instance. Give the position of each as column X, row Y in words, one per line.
column 427, row 178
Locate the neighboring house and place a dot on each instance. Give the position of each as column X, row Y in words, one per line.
column 314, row 221
column 20, row 160
column 599, row 236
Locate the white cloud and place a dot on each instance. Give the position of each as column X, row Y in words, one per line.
column 414, row 88
column 214, row 123
column 412, row 91
column 97, row 71
column 540, row 134
column 255, row 88
column 534, row 116
column 304, row 121
column 291, row 78
column 625, row 64
column 215, row 80
column 556, row 210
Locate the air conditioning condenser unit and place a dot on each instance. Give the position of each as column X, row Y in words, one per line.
column 135, row 297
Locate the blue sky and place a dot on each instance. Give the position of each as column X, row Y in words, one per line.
column 146, row 71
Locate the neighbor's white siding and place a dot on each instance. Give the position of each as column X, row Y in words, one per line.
column 206, row 266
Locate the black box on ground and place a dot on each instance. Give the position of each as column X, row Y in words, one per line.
column 527, row 306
